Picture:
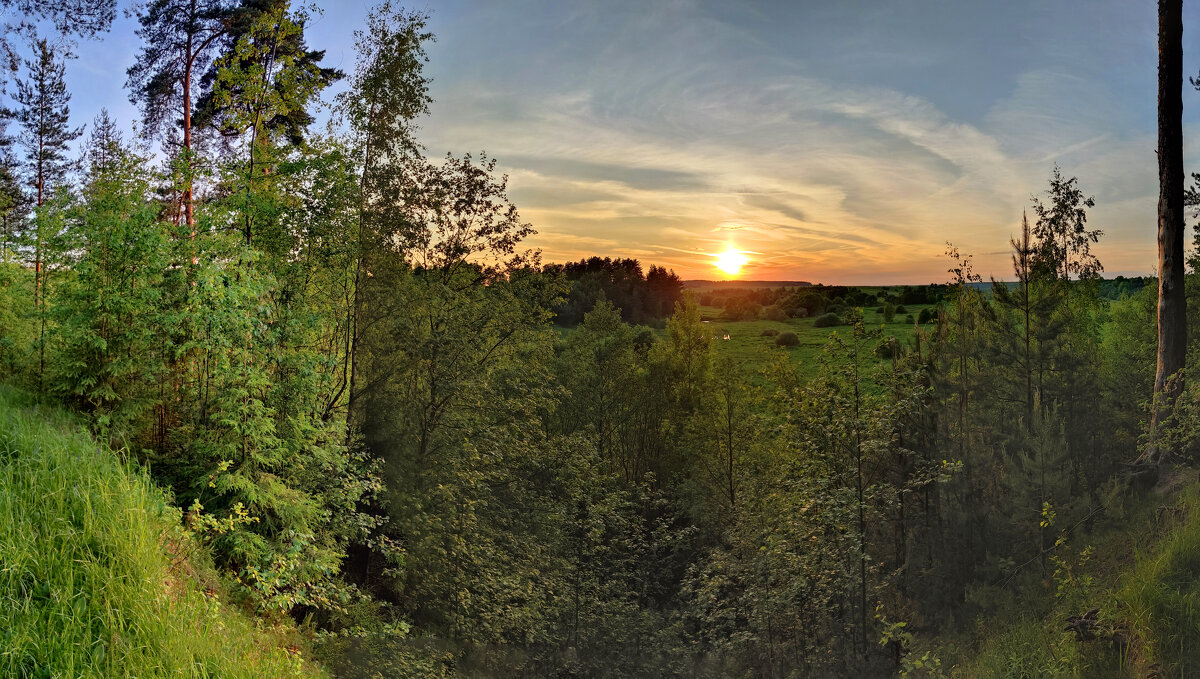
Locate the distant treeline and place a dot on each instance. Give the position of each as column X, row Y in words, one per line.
column 1107, row 288
column 644, row 299
column 649, row 298
column 699, row 286
column 781, row 303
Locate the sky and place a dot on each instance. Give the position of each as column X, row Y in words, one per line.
column 838, row 142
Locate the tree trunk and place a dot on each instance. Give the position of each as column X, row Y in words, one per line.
column 189, row 217
column 1172, row 315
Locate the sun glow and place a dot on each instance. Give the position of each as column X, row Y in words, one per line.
column 731, row 261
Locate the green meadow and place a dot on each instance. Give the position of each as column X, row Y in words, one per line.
column 749, row 346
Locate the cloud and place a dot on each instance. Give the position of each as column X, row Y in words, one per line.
column 673, row 124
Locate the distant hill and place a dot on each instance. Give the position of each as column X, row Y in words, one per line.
column 703, row 286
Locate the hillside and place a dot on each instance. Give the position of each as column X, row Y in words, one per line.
column 96, row 575
column 1118, row 600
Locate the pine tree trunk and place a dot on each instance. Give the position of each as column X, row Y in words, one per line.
column 1172, row 316
column 189, row 217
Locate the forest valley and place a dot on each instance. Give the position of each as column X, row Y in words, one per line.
column 394, row 425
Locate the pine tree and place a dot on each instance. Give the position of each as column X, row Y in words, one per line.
column 179, row 41
column 108, row 313
column 82, row 18
column 265, row 77
column 14, row 206
column 1172, row 303
column 44, row 116
column 259, row 95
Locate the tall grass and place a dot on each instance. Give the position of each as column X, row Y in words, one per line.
column 95, row 574
column 1161, row 596
column 1147, row 575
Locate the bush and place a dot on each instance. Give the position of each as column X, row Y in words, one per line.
column 787, row 339
column 926, row 316
column 901, row 310
column 827, row 320
column 909, row 319
column 888, row 347
column 800, row 312
column 769, row 332
column 774, row 312
column 837, row 308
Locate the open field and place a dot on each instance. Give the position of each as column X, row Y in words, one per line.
column 754, row 351
column 749, row 347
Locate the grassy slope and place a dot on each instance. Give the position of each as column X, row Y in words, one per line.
column 1145, row 579
column 96, row 577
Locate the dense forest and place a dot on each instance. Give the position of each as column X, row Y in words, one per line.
column 395, row 428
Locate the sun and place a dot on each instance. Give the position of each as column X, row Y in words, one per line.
column 731, row 261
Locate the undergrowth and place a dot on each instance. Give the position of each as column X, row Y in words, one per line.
column 1122, row 601
column 97, row 577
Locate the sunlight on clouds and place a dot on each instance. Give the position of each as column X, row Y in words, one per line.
column 832, row 182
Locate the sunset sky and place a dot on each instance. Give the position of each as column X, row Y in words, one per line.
column 840, row 142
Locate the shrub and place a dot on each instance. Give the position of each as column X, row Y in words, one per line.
column 901, row 310
column 926, row 316
column 888, row 347
column 909, row 319
column 643, row 339
column 837, row 308
column 769, row 332
column 827, row 320
column 800, row 312
column 774, row 312
column 787, row 339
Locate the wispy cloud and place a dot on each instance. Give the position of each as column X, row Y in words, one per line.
column 681, row 125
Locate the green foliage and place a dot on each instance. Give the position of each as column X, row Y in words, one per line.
column 109, row 359
column 787, row 339
column 828, row 320
column 928, row 664
column 1160, row 598
column 99, row 579
column 741, row 308
column 266, row 80
column 774, row 312
column 340, row 360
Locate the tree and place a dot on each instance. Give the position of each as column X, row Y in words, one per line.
column 1064, row 242
column 14, row 205
column 265, row 77
column 83, row 18
column 70, row 17
column 110, row 357
column 1172, row 304
column 388, row 90
column 179, row 38
column 259, row 93
column 44, row 117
